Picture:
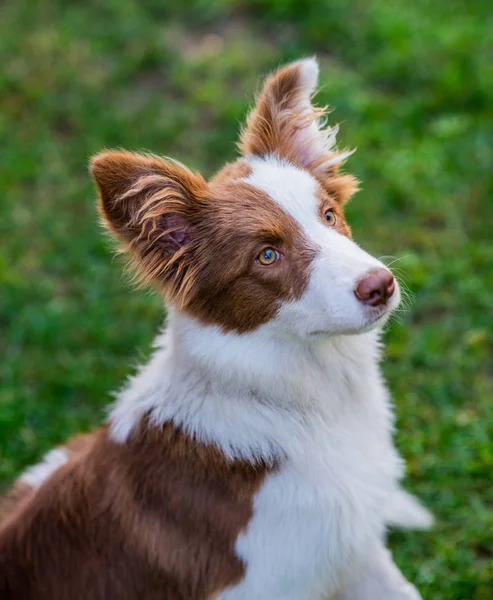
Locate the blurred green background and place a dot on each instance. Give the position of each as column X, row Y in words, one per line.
column 411, row 84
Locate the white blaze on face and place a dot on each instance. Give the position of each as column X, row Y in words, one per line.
column 329, row 305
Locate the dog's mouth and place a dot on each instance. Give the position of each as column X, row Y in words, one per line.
column 376, row 320
column 375, row 317
column 370, row 324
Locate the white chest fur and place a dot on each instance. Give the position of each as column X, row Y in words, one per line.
column 319, row 514
column 321, row 412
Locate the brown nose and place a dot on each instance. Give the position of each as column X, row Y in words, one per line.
column 375, row 288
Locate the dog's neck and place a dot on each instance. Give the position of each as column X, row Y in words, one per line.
column 248, row 393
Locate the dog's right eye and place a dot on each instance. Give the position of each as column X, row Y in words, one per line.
column 330, row 217
column 268, row 257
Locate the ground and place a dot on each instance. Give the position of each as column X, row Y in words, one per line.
column 411, row 85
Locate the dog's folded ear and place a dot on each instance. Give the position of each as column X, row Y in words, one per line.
column 152, row 206
column 285, row 124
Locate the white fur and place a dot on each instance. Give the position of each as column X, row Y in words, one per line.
column 405, row 511
column 309, row 74
column 35, row 476
column 318, row 406
column 378, row 579
column 232, row 390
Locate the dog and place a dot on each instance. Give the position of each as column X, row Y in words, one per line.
column 252, row 457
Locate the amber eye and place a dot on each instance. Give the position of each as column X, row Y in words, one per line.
column 268, row 256
column 330, row 217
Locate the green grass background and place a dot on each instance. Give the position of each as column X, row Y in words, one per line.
column 411, row 84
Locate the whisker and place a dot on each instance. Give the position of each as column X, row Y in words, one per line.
column 396, row 259
column 386, row 256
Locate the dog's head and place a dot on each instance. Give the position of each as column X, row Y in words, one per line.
column 265, row 241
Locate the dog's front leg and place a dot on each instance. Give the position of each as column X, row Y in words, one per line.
column 378, row 579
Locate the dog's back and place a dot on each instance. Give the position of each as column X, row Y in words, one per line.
column 156, row 518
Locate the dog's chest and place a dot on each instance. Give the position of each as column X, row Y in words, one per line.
column 317, row 514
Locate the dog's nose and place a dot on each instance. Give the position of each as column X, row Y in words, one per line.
column 375, row 288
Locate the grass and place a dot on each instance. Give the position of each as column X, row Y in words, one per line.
column 411, row 84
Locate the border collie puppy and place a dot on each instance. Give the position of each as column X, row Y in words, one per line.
column 252, row 457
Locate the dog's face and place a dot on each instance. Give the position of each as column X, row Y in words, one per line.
column 265, row 241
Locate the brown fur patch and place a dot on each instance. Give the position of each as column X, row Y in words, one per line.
column 327, row 202
column 155, row 518
column 151, row 206
column 273, row 124
column 209, row 270
column 79, row 443
column 232, row 288
column 279, row 125
column 239, row 169
column 13, row 501
column 340, row 187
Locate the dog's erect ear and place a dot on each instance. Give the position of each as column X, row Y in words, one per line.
column 152, row 206
column 284, row 123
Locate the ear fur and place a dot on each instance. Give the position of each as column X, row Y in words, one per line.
column 284, row 123
column 152, row 207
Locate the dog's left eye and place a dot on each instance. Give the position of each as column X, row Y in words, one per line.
column 330, row 217
column 268, row 257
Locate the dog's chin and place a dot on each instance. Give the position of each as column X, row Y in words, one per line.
column 375, row 320
column 378, row 316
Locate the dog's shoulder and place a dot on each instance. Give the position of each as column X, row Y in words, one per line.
column 128, row 518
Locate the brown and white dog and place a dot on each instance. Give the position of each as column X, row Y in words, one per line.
column 252, row 457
